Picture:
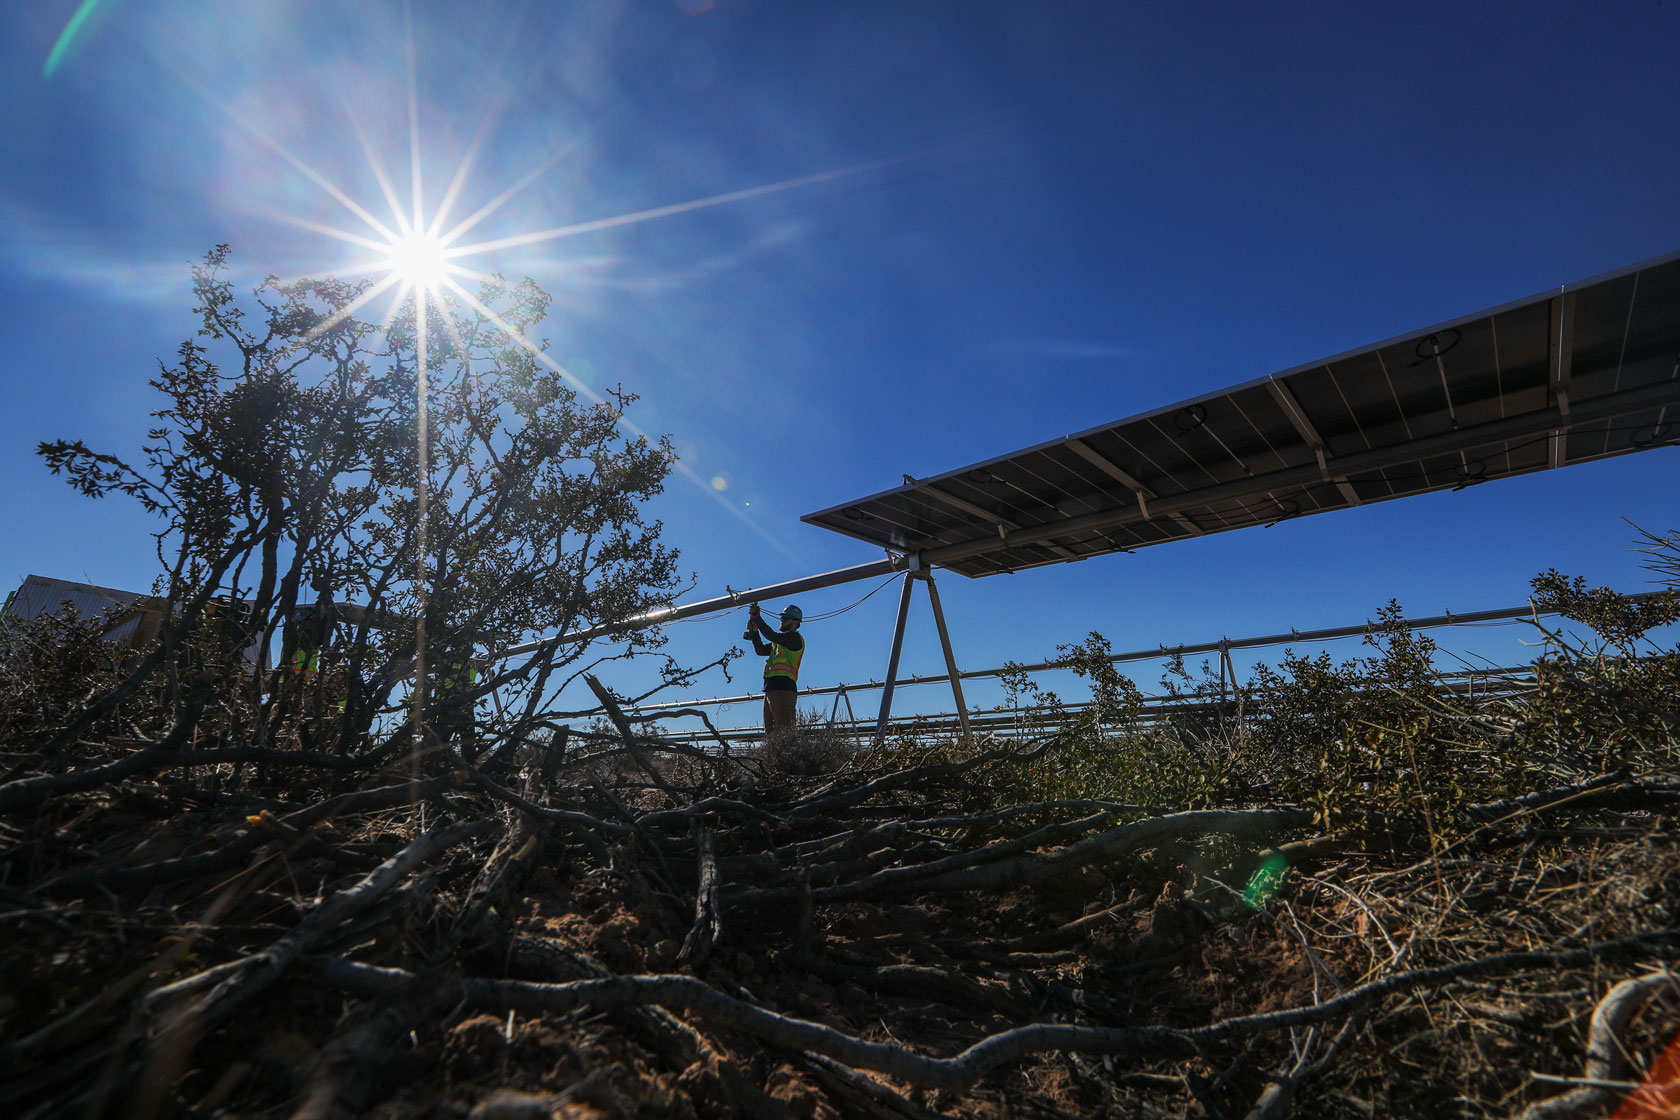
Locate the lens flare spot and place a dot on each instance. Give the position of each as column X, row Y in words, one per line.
column 1265, row 881
column 1659, row 1094
column 67, row 36
column 719, row 483
column 584, row 370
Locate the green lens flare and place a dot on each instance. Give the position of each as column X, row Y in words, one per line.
column 64, row 37
column 1265, row 881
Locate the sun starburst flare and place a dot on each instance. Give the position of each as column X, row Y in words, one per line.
column 418, row 261
column 426, row 267
column 423, row 256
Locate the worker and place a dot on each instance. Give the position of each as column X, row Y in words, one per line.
column 782, row 652
column 312, row 629
column 312, row 632
column 455, row 691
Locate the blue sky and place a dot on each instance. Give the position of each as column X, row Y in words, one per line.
column 1057, row 215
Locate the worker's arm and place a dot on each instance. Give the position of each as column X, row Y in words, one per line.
column 790, row 639
column 755, row 623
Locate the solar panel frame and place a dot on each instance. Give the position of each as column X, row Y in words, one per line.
column 1589, row 370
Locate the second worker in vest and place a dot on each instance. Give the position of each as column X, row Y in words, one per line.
column 782, row 651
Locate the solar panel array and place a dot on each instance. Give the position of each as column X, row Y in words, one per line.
column 40, row 596
column 1589, row 371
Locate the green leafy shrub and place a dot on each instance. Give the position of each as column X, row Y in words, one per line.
column 1609, row 702
column 1381, row 741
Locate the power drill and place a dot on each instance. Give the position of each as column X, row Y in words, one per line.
column 752, row 617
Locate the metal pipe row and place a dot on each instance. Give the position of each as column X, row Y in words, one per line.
column 1487, row 683
column 1223, row 644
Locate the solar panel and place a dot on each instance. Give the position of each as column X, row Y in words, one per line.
column 1588, row 371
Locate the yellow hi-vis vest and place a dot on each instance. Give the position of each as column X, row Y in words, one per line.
column 783, row 662
column 306, row 663
column 462, row 675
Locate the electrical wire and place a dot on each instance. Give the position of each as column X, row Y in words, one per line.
column 820, row 617
column 823, row 617
column 727, row 611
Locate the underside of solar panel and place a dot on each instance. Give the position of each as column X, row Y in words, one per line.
column 1585, row 372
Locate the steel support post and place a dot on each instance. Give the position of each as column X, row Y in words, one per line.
column 892, row 660
column 851, row 715
column 950, row 658
column 1227, row 674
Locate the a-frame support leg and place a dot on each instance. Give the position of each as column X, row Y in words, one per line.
column 950, row 658
column 851, row 715
column 1225, row 665
column 1227, row 672
column 892, row 660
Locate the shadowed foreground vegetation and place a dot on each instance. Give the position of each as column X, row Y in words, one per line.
column 1362, row 898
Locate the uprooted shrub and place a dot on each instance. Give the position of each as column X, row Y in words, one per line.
column 284, row 467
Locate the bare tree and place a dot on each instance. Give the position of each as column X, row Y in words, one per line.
column 284, row 465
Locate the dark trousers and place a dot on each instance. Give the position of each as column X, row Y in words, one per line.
column 779, row 706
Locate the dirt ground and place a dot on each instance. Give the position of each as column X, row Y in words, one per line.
column 171, row 952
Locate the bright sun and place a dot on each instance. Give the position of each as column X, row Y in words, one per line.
column 418, row 261
column 422, row 259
